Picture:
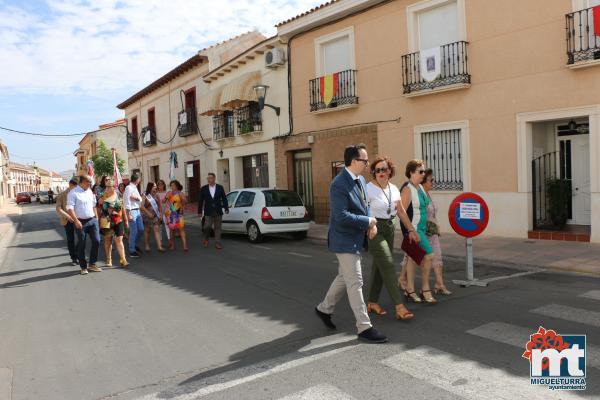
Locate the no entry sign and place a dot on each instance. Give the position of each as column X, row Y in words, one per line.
column 468, row 215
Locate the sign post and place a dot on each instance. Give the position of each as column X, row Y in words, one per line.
column 469, row 216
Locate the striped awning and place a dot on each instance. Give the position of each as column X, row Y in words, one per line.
column 240, row 91
column 211, row 103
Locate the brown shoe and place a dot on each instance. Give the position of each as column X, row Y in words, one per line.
column 218, row 246
column 205, row 243
column 94, row 268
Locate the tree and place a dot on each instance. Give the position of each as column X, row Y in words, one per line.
column 103, row 161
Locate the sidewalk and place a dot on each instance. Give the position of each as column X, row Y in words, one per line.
column 7, row 225
column 501, row 251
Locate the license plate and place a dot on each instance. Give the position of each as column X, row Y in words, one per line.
column 289, row 214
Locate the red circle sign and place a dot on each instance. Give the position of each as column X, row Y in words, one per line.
column 468, row 214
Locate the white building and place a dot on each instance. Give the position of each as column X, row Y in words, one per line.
column 242, row 131
column 4, row 173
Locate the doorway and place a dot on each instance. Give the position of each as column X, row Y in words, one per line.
column 154, row 173
column 575, row 167
column 192, row 172
column 303, row 182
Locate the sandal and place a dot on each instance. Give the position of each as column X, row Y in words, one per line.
column 442, row 290
column 403, row 313
column 375, row 308
column 412, row 297
column 430, row 299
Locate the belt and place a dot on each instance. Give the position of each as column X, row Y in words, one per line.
column 385, row 219
column 84, row 220
column 133, row 209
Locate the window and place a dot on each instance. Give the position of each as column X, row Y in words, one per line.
column 442, row 152
column 335, row 52
column 231, row 198
column 256, row 170
column 134, row 126
column 248, row 118
column 152, row 120
column 246, row 199
column 190, row 98
column 282, row 198
column 438, row 26
column 223, row 125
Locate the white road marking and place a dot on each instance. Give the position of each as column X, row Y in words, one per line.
column 258, row 246
column 517, row 275
column 219, row 387
column 592, row 294
column 570, row 314
column 299, row 254
column 327, row 341
column 518, row 335
column 6, row 378
column 319, row 392
column 468, row 379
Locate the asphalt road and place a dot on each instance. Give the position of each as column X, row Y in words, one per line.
column 239, row 324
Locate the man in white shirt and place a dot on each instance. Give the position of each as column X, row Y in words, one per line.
column 132, row 201
column 81, row 206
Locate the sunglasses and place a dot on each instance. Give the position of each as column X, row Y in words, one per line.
column 422, row 171
column 378, row 170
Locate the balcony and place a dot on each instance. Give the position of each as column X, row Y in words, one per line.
column 188, row 122
column 583, row 46
column 248, row 119
column 223, row 126
column 454, row 72
column 132, row 141
column 148, row 136
column 343, row 91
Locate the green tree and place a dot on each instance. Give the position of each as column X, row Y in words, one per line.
column 103, row 161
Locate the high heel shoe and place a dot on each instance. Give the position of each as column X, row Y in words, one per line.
column 403, row 313
column 442, row 290
column 375, row 308
column 412, row 297
column 431, row 299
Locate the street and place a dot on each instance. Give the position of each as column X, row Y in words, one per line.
column 239, row 324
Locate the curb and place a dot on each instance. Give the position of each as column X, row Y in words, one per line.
column 7, row 236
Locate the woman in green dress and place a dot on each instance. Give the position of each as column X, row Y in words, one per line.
column 113, row 223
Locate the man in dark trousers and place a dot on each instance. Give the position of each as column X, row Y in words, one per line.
column 210, row 206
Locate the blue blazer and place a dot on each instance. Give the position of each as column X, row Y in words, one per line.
column 212, row 205
column 349, row 218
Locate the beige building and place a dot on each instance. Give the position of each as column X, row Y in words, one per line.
column 45, row 179
column 112, row 134
column 242, row 132
column 4, row 174
column 163, row 119
column 497, row 97
column 23, row 178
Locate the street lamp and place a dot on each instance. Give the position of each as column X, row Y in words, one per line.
column 261, row 93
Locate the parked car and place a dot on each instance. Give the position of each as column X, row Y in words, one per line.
column 261, row 211
column 23, row 197
column 43, row 197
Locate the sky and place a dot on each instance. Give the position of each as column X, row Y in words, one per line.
column 66, row 64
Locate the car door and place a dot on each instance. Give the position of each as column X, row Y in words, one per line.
column 243, row 209
column 231, row 220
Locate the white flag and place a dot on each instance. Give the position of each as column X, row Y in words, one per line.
column 431, row 63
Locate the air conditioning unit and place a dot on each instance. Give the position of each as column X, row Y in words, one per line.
column 274, row 58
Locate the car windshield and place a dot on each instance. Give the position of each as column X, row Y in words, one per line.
column 43, row 193
column 22, row 194
column 282, row 198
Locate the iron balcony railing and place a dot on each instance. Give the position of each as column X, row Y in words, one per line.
column 453, row 69
column 132, row 141
column 344, row 91
column 582, row 42
column 248, row 119
column 223, row 126
column 188, row 122
column 148, row 136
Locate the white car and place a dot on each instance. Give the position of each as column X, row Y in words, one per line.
column 262, row 211
column 43, row 197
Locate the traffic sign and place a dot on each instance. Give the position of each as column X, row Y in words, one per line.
column 468, row 214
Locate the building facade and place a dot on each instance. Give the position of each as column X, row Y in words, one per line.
column 163, row 123
column 497, row 97
column 83, row 154
column 242, row 132
column 23, row 178
column 4, row 174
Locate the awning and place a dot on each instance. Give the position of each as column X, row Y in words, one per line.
column 211, row 103
column 240, row 91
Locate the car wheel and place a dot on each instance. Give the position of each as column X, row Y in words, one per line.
column 300, row 235
column 254, row 232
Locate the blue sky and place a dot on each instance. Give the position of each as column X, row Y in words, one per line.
column 66, row 64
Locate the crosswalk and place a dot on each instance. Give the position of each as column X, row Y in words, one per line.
column 432, row 368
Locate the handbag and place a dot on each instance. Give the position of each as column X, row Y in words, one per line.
column 413, row 250
column 104, row 223
column 432, row 229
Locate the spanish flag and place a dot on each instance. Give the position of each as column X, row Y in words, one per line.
column 329, row 87
column 596, row 13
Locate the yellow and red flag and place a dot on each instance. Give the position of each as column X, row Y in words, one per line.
column 329, row 87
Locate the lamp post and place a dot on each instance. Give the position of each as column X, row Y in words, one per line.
column 261, row 93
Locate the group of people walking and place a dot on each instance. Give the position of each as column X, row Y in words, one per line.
column 124, row 213
column 364, row 216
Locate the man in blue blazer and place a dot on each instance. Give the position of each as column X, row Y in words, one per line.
column 350, row 223
column 211, row 205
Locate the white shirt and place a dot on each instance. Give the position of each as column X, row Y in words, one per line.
column 383, row 199
column 212, row 189
column 354, row 177
column 131, row 190
column 82, row 202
